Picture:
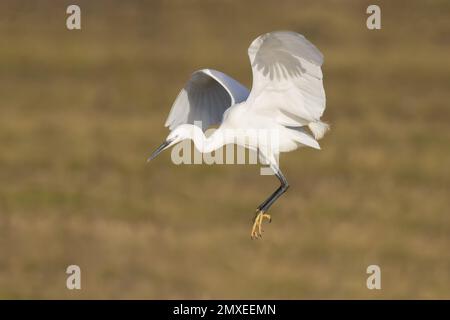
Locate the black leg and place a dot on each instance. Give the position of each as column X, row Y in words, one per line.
column 260, row 213
column 269, row 198
column 281, row 189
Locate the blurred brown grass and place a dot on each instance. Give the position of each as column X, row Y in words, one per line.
column 81, row 110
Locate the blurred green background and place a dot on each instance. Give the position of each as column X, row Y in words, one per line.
column 80, row 111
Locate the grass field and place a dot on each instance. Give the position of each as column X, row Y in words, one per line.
column 80, row 111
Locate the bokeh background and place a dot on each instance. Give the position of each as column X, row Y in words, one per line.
column 80, row 111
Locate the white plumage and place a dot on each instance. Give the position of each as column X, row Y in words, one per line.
column 205, row 98
column 287, row 95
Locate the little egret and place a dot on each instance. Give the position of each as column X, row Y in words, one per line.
column 287, row 95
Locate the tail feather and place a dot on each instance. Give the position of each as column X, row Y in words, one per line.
column 318, row 129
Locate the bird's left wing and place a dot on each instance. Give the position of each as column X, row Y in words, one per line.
column 287, row 78
column 205, row 97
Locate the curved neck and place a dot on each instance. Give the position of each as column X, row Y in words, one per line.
column 206, row 145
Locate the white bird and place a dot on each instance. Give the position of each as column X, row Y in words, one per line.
column 287, row 95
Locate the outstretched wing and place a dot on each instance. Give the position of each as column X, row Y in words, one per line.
column 287, row 78
column 205, row 97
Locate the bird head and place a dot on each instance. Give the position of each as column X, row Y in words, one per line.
column 180, row 133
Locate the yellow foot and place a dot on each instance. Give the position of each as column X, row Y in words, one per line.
column 257, row 229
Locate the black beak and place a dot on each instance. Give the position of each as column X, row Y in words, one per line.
column 159, row 150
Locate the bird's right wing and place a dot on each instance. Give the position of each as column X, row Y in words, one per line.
column 205, row 97
column 287, row 78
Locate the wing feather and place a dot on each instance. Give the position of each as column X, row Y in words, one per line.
column 205, row 97
column 287, row 77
